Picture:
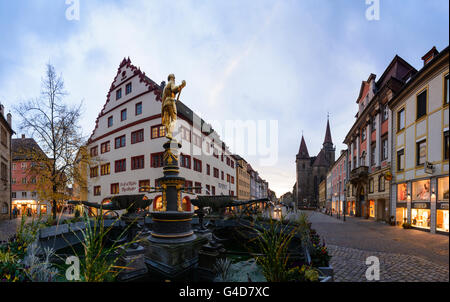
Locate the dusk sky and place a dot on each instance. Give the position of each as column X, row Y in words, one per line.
column 287, row 60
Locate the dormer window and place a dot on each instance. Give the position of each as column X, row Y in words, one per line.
column 118, row 94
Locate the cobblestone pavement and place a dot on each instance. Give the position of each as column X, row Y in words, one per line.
column 405, row 255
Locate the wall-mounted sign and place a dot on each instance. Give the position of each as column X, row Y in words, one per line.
column 129, row 186
column 388, row 176
column 442, row 205
column 428, row 168
column 402, row 205
column 421, row 205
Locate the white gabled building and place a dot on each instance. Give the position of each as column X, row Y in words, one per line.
column 127, row 143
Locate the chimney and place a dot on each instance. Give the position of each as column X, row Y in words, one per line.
column 9, row 119
column 23, row 136
column 430, row 55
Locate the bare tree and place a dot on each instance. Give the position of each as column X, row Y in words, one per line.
column 55, row 126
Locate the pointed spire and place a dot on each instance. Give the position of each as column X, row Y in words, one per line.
column 328, row 139
column 303, row 150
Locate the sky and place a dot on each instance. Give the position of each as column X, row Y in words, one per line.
column 290, row 61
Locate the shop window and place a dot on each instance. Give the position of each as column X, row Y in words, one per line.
column 420, row 218
column 443, row 189
column 421, row 190
column 442, row 220
column 421, row 152
column 402, row 192
column 401, row 215
column 372, row 208
column 422, row 104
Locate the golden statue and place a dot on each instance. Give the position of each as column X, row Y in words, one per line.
column 169, row 108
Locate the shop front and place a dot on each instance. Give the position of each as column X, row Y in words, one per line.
column 401, row 216
column 372, row 208
column 421, row 215
column 442, row 214
column 29, row 208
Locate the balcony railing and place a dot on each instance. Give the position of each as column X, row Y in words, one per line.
column 359, row 173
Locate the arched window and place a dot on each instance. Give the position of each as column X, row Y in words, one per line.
column 4, row 209
column 157, row 203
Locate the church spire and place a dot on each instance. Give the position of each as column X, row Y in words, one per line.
column 328, row 139
column 303, row 150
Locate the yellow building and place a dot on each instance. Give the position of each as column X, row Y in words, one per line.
column 420, row 161
column 242, row 179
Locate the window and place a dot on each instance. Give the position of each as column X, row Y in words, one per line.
column 401, row 120
column 144, row 185
column 157, row 160
column 158, row 131
column 120, row 165
column 24, row 166
column 115, row 188
column 372, row 155
column 446, row 91
column 216, row 173
column 198, row 186
column 137, row 162
column 120, row 142
column 222, row 175
column 374, row 123
column 118, row 94
column 24, row 194
column 384, row 146
column 208, row 190
column 137, row 136
column 443, row 193
column 4, row 171
column 97, row 190
column 188, row 185
column 208, row 169
column 185, row 161
column 197, row 140
column 422, row 104
column 93, row 172
column 232, row 179
column 197, row 165
column 381, row 184
column 14, row 167
column 213, row 190
column 232, row 164
column 105, row 147
column 185, row 134
column 4, row 137
column 105, row 169
column 110, row 121
column 14, row 195
column 33, row 194
column 421, row 190
column 228, row 161
column 94, row 151
column 363, row 134
column 400, row 160
column 421, row 152
column 371, row 185
column 123, row 115
column 128, row 88
column 446, row 145
column 138, row 108
column 385, row 115
column 228, row 177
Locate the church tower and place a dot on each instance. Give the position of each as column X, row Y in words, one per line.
column 328, row 147
column 303, row 163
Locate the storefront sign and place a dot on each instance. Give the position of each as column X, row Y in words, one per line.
column 402, row 205
column 421, row 205
column 129, row 186
column 442, row 205
column 428, row 168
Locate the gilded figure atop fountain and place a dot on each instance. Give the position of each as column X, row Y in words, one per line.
column 169, row 108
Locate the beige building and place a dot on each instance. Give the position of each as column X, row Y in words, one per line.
column 420, row 161
column 242, row 179
column 323, row 194
column 5, row 164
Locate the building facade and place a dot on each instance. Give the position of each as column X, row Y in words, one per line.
column 369, row 142
column 126, row 146
column 242, row 179
column 323, row 194
column 25, row 199
column 6, row 133
column 420, row 146
column 311, row 171
column 338, row 177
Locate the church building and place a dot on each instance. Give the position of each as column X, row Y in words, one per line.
column 312, row 170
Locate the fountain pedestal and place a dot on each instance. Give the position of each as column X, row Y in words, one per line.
column 172, row 248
